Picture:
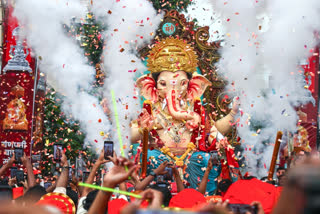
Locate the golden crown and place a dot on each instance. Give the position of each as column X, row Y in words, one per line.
column 172, row 55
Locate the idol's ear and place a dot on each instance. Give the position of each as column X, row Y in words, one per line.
column 147, row 87
column 197, row 86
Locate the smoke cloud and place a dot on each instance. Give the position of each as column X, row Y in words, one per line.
column 205, row 14
column 63, row 61
column 261, row 65
column 130, row 24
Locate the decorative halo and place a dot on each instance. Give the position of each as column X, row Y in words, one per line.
column 173, row 55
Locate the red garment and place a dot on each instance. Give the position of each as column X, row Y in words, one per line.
column 60, row 201
column 247, row 191
column 187, row 198
column 115, row 206
column 17, row 192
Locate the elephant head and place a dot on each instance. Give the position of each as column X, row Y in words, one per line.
column 172, row 63
column 173, row 87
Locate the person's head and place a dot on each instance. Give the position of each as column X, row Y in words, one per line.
column 89, row 200
column 282, row 180
column 34, row 194
column 73, row 195
column 299, row 157
column 223, row 186
column 165, row 192
column 280, row 171
column 301, row 191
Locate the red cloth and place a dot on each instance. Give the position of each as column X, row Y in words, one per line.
column 17, row 192
column 247, row 191
column 60, row 201
column 187, row 198
column 174, row 188
column 115, row 206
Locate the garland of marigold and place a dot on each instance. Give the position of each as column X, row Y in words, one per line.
column 178, row 161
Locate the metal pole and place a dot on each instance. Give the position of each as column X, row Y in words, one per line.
column 33, row 103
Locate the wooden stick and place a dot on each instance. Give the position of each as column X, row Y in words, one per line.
column 274, row 155
column 145, row 140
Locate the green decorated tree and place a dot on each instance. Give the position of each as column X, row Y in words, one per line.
column 60, row 129
column 91, row 39
column 179, row 5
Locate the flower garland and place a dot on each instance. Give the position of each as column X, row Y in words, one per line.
column 178, row 161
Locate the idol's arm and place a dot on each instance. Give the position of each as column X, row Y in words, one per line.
column 135, row 133
column 224, row 125
column 213, row 135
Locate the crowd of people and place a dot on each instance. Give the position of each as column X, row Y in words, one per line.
column 294, row 191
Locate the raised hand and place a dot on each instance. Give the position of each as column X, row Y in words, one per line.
column 161, row 168
column 101, row 159
column 64, row 160
column 223, row 143
column 12, row 160
column 24, row 160
column 210, row 163
column 154, row 197
column 120, row 172
column 145, row 120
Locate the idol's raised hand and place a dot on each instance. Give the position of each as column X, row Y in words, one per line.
column 145, row 120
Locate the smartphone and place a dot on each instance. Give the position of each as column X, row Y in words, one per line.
column 85, row 176
column 57, row 152
column 108, row 149
column 35, row 158
column 18, row 152
column 160, row 179
column 215, row 158
column 20, row 176
column 13, row 172
column 169, row 174
column 242, row 208
column 47, row 185
column 70, row 174
column 5, row 193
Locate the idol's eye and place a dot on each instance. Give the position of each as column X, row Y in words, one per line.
column 162, row 83
column 184, row 82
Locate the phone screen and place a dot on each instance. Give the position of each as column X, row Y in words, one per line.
column 47, row 185
column 160, row 179
column 36, row 158
column 85, row 176
column 13, row 172
column 242, row 208
column 215, row 158
column 70, row 174
column 57, row 152
column 108, row 149
column 20, row 176
column 168, row 175
column 18, row 152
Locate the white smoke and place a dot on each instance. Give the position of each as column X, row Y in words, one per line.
column 261, row 66
column 203, row 12
column 130, row 24
column 63, row 61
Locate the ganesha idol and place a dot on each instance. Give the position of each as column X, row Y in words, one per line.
column 179, row 129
